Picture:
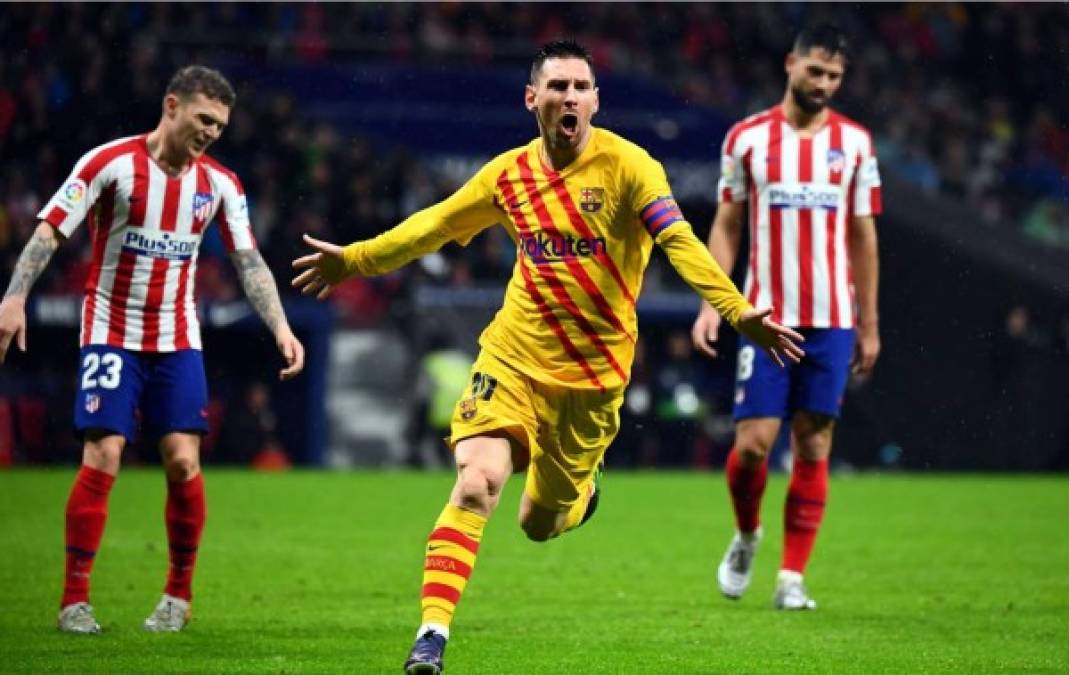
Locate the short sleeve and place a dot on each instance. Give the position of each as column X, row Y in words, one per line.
column 866, row 199
column 233, row 215
column 69, row 206
column 732, row 184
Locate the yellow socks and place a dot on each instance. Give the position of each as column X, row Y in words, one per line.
column 451, row 551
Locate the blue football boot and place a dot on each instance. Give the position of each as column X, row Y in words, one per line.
column 426, row 655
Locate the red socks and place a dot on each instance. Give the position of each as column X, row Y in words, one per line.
column 803, row 512
column 185, row 515
column 746, row 486
column 87, row 511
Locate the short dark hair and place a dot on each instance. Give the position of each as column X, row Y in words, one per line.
column 560, row 49
column 202, row 80
column 826, row 36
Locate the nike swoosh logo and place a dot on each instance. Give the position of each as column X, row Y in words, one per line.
column 515, row 205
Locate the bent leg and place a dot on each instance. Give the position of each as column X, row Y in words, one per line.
column 484, row 464
column 540, row 523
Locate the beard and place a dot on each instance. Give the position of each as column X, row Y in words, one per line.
column 806, row 102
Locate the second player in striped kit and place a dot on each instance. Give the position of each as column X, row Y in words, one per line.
column 808, row 178
column 147, row 200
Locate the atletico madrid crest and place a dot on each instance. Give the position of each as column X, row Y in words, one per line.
column 92, row 403
column 591, row 199
column 836, row 160
column 202, row 205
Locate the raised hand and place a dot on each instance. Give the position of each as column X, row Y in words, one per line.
column 321, row 271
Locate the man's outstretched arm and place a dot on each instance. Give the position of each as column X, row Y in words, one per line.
column 262, row 292
column 459, row 217
column 698, row 268
column 32, row 261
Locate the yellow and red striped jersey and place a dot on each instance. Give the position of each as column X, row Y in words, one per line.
column 584, row 236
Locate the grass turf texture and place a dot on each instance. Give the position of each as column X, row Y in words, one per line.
column 320, row 572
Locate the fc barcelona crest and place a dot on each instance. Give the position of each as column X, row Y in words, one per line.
column 591, row 199
column 467, row 408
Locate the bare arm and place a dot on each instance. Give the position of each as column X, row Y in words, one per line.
column 260, row 288
column 32, row 261
column 865, row 264
column 262, row 293
column 724, row 238
column 726, row 233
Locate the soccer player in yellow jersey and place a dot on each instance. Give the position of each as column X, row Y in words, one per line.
column 584, row 207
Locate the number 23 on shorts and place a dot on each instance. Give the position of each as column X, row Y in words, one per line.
column 101, row 370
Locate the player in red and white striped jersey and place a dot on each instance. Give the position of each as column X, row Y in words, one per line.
column 808, row 178
column 146, row 229
column 148, row 200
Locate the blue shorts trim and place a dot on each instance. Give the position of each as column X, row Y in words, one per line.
column 120, row 390
column 763, row 389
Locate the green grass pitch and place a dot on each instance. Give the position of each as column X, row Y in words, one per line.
column 320, row 572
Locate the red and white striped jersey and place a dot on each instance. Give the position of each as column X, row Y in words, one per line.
column 802, row 193
column 146, row 228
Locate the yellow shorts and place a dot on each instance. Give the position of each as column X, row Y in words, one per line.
column 564, row 432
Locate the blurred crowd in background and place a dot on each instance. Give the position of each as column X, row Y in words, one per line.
column 965, row 101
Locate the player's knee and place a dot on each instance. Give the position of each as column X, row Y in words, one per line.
column 813, row 436
column 539, row 523
column 538, row 529
column 181, row 468
column 103, row 451
column 478, row 489
column 814, row 452
column 752, row 454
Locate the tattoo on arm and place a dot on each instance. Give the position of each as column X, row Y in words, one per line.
column 32, row 261
column 259, row 287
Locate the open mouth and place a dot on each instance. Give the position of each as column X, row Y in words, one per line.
column 569, row 123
